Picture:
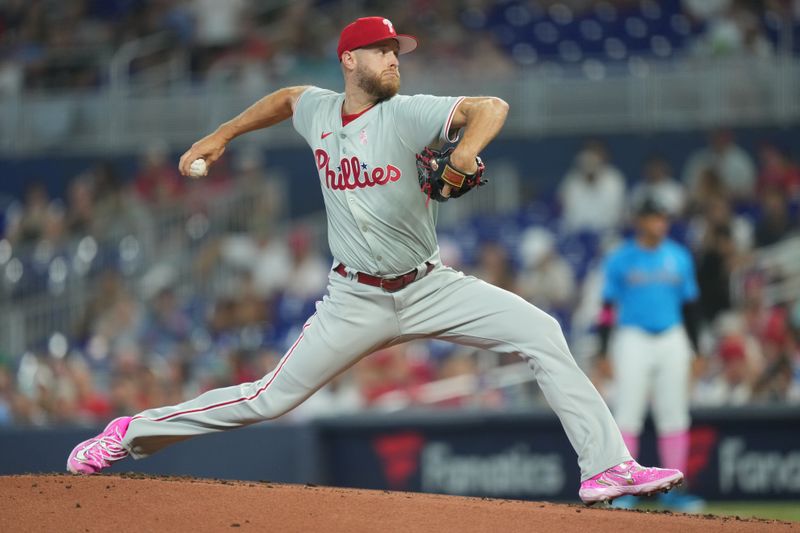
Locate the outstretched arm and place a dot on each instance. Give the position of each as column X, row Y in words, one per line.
column 268, row 111
column 481, row 117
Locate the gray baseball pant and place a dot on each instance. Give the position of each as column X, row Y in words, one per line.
column 354, row 320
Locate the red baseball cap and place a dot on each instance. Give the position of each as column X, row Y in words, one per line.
column 369, row 30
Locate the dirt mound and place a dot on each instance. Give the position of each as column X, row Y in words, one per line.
column 136, row 502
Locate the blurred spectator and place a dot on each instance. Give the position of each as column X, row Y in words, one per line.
column 706, row 9
column 546, row 279
column 53, row 240
column 776, row 385
column 338, row 397
column 26, row 224
column 260, row 200
column 251, row 65
column 124, row 395
column 80, row 207
column 390, row 370
column 659, row 184
column 737, row 362
column 708, row 189
column 733, row 28
column 308, row 273
column 774, row 223
column 734, row 166
column 265, row 256
column 11, row 76
column 493, row 62
column 592, row 193
column 158, row 181
column 91, row 405
column 777, row 171
column 165, row 324
column 218, row 28
column 715, row 263
column 770, row 325
column 112, row 316
column 716, row 213
column 494, row 266
column 117, row 213
column 450, row 253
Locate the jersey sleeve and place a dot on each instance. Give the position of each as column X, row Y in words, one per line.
column 305, row 107
column 424, row 120
column 612, row 278
column 689, row 290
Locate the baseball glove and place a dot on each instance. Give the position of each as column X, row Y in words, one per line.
column 435, row 171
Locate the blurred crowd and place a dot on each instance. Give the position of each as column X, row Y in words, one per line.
column 174, row 286
column 149, row 288
column 69, row 43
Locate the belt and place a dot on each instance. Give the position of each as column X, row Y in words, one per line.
column 387, row 284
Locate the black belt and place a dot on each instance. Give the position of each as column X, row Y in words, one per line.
column 387, row 284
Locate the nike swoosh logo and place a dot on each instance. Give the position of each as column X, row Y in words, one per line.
column 81, row 454
column 326, row 134
column 626, row 476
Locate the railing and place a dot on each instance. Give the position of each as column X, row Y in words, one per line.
column 458, row 387
column 46, row 293
column 777, row 270
column 656, row 97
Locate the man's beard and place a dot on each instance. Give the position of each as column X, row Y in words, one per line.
column 376, row 85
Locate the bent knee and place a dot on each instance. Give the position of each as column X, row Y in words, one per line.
column 270, row 406
column 548, row 326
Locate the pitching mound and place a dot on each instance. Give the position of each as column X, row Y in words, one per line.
column 135, row 502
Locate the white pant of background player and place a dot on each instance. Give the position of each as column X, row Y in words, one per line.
column 354, row 320
column 653, row 369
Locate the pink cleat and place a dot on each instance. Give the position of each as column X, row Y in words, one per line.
column 628, row 478
column 97, row 453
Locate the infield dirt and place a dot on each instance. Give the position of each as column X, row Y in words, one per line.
column 133, row 502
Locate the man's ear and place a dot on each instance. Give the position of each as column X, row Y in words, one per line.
column 348, row 60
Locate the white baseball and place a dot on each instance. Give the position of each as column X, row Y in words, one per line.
column 198, row 168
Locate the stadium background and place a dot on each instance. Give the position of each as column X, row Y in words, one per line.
column 123, row 285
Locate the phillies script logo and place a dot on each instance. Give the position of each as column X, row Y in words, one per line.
column 352, row 173
column 399, row 454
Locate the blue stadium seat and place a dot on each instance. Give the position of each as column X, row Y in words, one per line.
column 533, row 34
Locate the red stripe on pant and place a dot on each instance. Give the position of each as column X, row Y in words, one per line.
column 238, row 400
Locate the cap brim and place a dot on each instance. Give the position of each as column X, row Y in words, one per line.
column 407, row 43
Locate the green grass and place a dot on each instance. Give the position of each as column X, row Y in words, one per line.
column 774, row 510
column 782, row 510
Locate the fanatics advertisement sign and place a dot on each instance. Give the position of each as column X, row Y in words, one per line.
column 743, row 454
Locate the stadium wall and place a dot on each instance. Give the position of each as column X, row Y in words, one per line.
column 741, row 454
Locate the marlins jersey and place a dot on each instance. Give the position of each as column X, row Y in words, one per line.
column 378, row 220
column 649, row 286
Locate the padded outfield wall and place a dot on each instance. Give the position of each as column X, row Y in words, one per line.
column 743, row 454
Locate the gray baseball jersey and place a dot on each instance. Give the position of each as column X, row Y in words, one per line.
column 379, row 224
column 378, row 220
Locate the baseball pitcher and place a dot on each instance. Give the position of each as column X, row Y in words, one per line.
column 387, row 284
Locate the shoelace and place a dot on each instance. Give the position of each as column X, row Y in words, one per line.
column 107, row 449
